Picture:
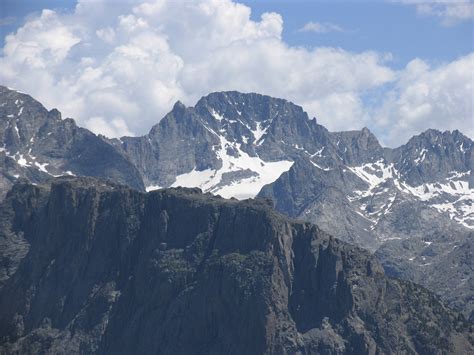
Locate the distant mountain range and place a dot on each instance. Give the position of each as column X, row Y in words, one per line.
column 92, row 267
column 413, row 205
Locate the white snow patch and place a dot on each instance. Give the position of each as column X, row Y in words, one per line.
column 16, row 129
column 259, row 131
column 388, row 208
column 318, row 166
column 422, row 156
column 42, row 167
column 318, row 153
column 370, row 173
column 216, row 115
column 459, row 198
column 364, row 216
column 427, row 191
column 209, row 180
column 11, row 89
column 152, row 188
column 65, row 173
column 22, row 161
column 194, row 178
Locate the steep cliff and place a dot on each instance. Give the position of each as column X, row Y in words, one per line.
column 88, row 266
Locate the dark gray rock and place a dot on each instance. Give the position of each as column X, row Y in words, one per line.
column 358, row 147
column 37, row 144
column 437, row 261
column 113, row 270
column 432, row 156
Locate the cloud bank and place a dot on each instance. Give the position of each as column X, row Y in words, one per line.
column 118, row 68
column 449, row 12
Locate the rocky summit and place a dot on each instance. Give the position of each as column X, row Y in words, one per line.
column 89, row 266
column 413, row 206
column 38, row 144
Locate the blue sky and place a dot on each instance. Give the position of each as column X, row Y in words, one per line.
column 396, row 67
column 369, row 25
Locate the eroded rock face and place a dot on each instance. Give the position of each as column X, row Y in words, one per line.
column 107, row 269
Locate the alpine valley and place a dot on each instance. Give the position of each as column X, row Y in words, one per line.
column 412, row 206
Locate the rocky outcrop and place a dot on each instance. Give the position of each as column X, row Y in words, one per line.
column 439, row 262
column 106, row 269
column 433, row 156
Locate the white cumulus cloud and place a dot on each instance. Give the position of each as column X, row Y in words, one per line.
column 425, row 97
column 118, row 67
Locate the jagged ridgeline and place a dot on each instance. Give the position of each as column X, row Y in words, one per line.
column 93, row 267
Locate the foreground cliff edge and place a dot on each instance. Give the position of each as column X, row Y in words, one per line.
column 88, row 266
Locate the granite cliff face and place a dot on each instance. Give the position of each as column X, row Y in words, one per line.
column 107, row 269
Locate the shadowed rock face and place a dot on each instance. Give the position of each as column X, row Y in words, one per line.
column 38, row 144
column 92, row 267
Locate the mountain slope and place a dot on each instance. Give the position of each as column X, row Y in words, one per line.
column 37, row 144
column 432, row 176
column 114, row 270
column 381, row 204
column 439, row 262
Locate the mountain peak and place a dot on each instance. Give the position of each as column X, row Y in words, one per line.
column 366, row 131
column 179, row 108
column 433, row 137
column 433, row 156
column 178, row 105
column 357, row 147
column 241, row 102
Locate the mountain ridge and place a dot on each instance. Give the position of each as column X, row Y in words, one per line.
column 44, row 145
column 247, row 145
column 110, row 269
